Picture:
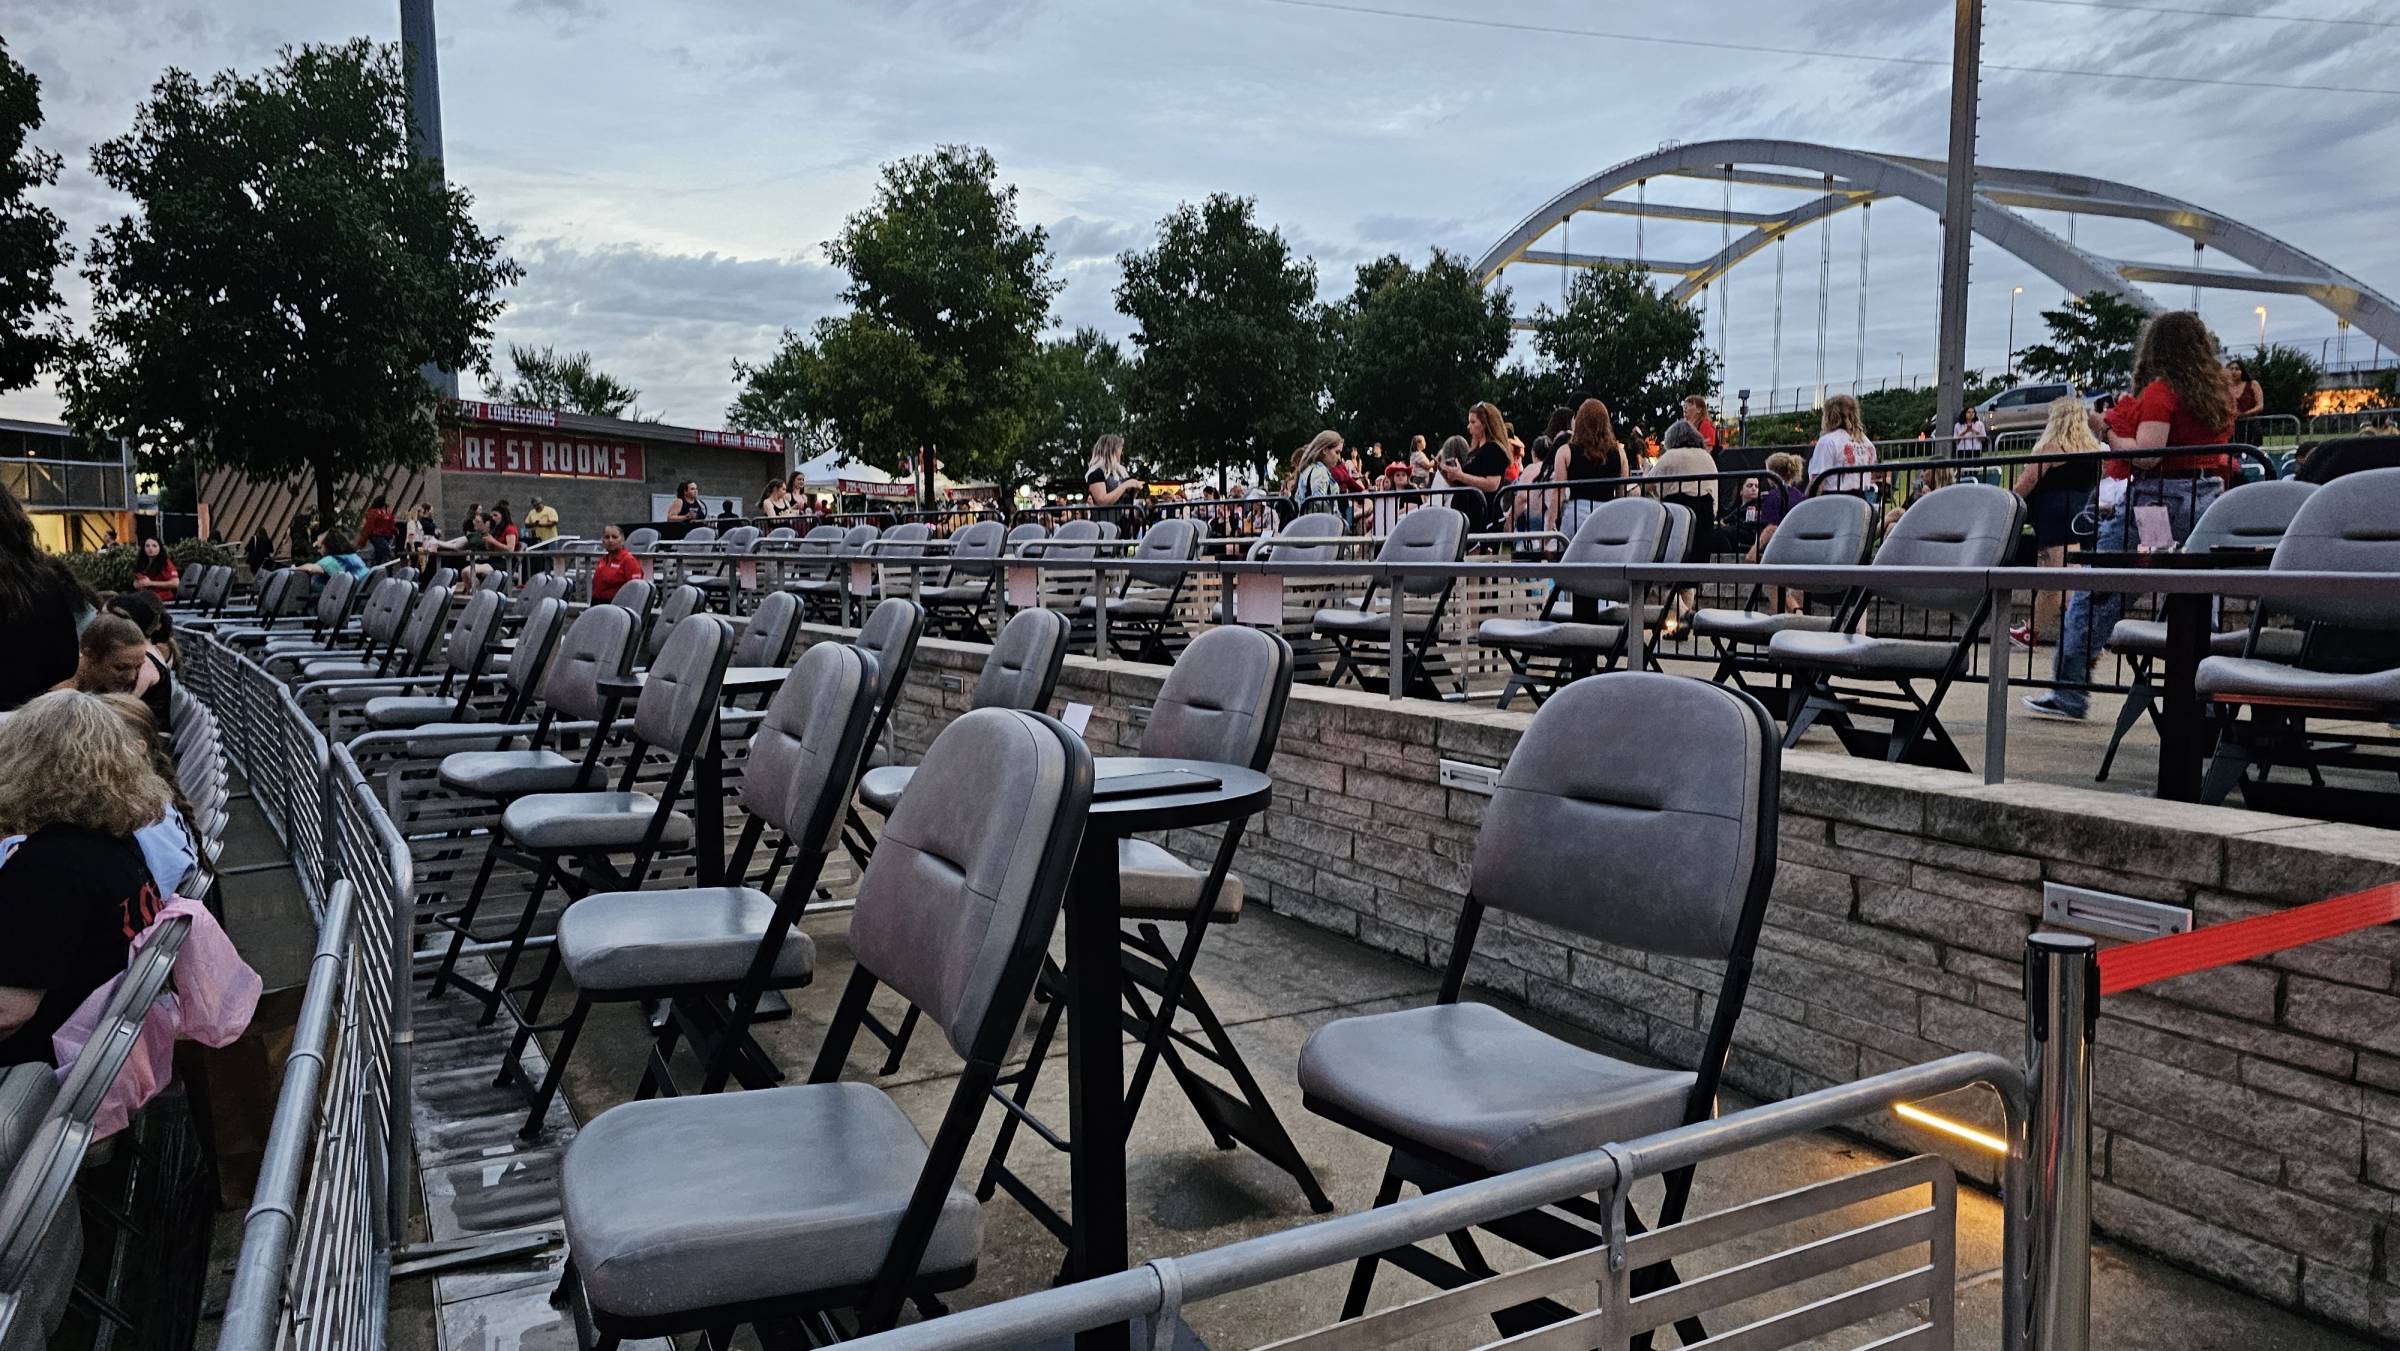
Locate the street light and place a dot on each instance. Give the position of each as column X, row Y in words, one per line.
column 2261, row 311
column 2011, row 363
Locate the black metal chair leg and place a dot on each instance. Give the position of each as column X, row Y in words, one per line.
column 516, row 941
column 464, row 918
column 556, row 1073
column 2138, row 700
column 997, row 1162
column 1362, row 1276
column 527, row 1017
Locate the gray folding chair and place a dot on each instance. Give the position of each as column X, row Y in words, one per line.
column 1545, row 651
column 411, row 652
column 41, row 1223
column 1638, row 811
column 1362, row 636
column 768, row 635
column 1841, row 675
column 573, row 838
column 681, row 604
column 1827, row 531
column 522, row 681
column 2252, row 516
column 1144, row 606
column 463, row 659
column 641, row 539
column 784, row 1205
column 1223, row 702
column 701, row 947
column 826, row 594
column 634, row 598
column 724, row 579
column 957, row 606
column 2348, row 666
column 599, row 645
column 1021, row 671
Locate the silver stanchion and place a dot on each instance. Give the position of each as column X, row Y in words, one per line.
column 2062, row 1006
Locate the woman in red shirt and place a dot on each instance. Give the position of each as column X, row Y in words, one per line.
column 153, row 570
column 2181, row 399
column 616, row 566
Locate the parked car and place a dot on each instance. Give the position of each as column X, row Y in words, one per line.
column 2022, row 408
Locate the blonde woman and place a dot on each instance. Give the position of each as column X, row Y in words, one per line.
column 77, row 784
column 2056, row 492
column 1845, row 444
column 1311, row 473
column 1106, row 481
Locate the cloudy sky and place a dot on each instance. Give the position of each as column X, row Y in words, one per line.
column 667, row 172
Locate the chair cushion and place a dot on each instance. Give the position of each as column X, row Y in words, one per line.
column 333, row 668
column 1753, row 627
column 678, row 1204
column 962, row 594
column 1368, row 623
column 2254, row 675
column 1154, row 884
column 2148, row 638
column 655, row 940
column 1856, row 652
column 1546, row 634
column 488, row 773
column 413, row 710
column 1472, row 1082
column 588, row 821
column 879, row 789
column 818, row 586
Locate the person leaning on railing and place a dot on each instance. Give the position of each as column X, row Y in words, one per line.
column 2056, row 492
column 2181, row 398
column 76, row 784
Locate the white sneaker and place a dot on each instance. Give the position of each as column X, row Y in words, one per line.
column 2048, row 706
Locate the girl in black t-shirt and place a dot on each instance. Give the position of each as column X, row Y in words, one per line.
column 1107, row 482
column 75, row 784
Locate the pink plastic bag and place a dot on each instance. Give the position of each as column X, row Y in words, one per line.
column 213, row 994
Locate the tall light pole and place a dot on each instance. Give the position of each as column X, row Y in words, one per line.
column 2262, row 327
column 418, row 60
column 1958, row 208
column 2011, row 363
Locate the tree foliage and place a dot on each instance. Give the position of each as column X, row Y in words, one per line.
column 567, row 384
column 2287, row 379
column 288, row 271
column 2091, row 341
column 32, row 237
column 1079, row 392
column 1230, row 339
column 948, row 292
column 1618, row 338
column 777, row 396
column 1411, row 348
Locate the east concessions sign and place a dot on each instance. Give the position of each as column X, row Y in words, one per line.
column 554, row 454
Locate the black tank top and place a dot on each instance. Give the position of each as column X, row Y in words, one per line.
column 1587, row 479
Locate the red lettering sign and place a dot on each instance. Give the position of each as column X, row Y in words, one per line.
column 489, row 450
column 740, row 440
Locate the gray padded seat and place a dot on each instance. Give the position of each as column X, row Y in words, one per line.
column 1965, row 525
column 1426, row 535
column 879, row 789
column 515, row 773
column 391, row 711
column 682, row 603
column 723, row 1198
column 1021, row 672
column 2345, row 526
column 1476, row 1084
column 1154, row 884
column 767, row 638
column 643, row 537
column 1857, row 652
column 1130, row 607
column 1290, row 544
column 611, row 820
column 469, row 647
column 647, row 940
column 2148, row 638
column 1755, row 627
column 837, row 577
column 1555, row 634
column 2274, row 679
column 599, row 642
column 1368, row 623
column 1828, row 531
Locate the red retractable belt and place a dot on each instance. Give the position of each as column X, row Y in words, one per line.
column 2157, row 959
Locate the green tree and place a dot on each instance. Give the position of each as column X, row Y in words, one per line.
column 1619, row 339
column 1230, row 339
column 1412, row 348
column 32, row 237
column 289, row 270
column 948, row 292
column 777, row 397
column 2091, row 341
column 1079, row 393
column 2287, row 378
column 567, row 384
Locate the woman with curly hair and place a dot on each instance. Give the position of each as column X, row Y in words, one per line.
column 77, row 783
column 2181, row 399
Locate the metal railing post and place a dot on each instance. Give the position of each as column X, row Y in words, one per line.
column 1396, row 674
column 2062, row 1005
column 1995, row 689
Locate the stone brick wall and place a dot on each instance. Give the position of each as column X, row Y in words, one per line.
column 2247, row 1122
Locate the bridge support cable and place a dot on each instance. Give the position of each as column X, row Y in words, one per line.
column 1866, row 217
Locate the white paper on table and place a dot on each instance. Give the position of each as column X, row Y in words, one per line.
column 1258, row 599
column 1076, row 717
column 2153, row 527
column 862, row 579
column 1023, row 587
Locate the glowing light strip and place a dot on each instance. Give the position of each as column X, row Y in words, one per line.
column 1984, row 1139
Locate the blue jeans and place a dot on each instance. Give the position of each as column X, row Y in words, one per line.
column 2091, row 616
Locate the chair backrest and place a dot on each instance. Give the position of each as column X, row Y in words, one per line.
column 2351, row 524
column 1022, row 670
column 41, row 1233
column 333, row 606
column 1223, row 699
column 634, row 596
column 1622, row 530
column 974, row 546
column 1826, row 531
column 858, row 537
column 1965, row 525
column 740, row 539
column 1074, row 539
column 820, row 541
column 272, row 602
column 679, row 696
column 767, row 639
column 959, row 901
column 537, row 642
column 471, row 637
column 804, row 755
column 214, row 587
column 1426, row 535
column 423, row 632
column 2252, row 516
column 698, row 535
column 187, row 581
column 386, row 610
column 681, row 604
column 1678, row 542
column 779, row 535
column 1174, row 540
column 643, row 537
column 1289, row 545
column 1638, row 809
column 600, row 644
column 540, row 587
column 890, row 637
column 1025, row 534
column 907, row 537
column 1110, row 529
